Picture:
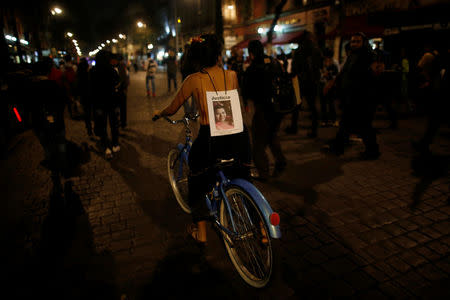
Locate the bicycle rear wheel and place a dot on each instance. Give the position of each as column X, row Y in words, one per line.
column 251, row 252
column 178, row 179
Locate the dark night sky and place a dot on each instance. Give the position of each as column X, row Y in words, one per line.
column 94, row 21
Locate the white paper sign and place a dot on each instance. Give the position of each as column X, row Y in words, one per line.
column 224, row 110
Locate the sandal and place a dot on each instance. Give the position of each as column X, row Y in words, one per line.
column 192, row 231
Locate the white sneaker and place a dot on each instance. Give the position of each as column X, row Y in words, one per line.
column 116, row 148
column 108, row 153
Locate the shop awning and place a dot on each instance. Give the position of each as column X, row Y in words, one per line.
column 278, row 39
column 284, row 38
column 242, row 44
column 354, row 24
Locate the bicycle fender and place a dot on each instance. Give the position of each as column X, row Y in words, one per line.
column 262, row 203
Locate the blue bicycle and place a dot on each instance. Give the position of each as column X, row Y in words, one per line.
column 238, row 210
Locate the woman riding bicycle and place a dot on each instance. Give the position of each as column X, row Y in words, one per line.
column 206, row 52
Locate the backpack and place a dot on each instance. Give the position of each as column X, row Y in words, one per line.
column 283, row 98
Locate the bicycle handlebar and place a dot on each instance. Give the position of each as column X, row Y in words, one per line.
column 186, row 118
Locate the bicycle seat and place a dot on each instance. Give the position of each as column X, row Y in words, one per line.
column 222, row 163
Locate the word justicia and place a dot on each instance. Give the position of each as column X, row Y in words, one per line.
column 218, row 98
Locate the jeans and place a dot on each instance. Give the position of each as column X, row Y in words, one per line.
column 171, row 77
column 152, row 79
column 102, row 115
column 357, row 119
column 328, row 110
column 265, row 128
column 87, row 107
column 123, row 108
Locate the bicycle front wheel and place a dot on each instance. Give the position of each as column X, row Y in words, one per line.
column 178, row 178
column 251, row 251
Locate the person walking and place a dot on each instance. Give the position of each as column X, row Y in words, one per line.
column 68, row 70
column 358, row 107
column 82, row 84
column 47, row 114
column 104, row 93
column 122, row 90
column 171, row 64
column 328, row 74
column 404, row 81
column 152, row 67
column 435, row 71
column 257, row 87
column 207, row 148
column 307, row 62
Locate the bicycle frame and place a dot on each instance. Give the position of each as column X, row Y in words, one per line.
column 184, row 154
column 219, row 190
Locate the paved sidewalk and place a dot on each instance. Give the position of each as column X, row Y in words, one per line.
column 348, row 226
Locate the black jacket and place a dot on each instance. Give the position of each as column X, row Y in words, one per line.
column 104, row 84
column 258, row 81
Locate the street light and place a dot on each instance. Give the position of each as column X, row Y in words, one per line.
column 56, row 11
column 69, row 34
column 140, row 24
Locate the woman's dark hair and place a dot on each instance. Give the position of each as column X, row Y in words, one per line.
column 256, row 48
column 218, row 105
column 205, row 50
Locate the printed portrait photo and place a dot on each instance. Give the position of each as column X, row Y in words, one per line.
column 223, row 115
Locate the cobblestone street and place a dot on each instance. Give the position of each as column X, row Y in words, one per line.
column 348, row 226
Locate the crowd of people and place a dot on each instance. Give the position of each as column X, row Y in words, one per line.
column 359, row 85
column 348, row 93
column 96, row 94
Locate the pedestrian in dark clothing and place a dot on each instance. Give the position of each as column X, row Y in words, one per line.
column 306, row 64
column 68, row 77
column 124, row 82
column 82, row 84
column 171, row 64
column 283, row 58
column 327, row 96
column 49, row 100
column 265, row 125
column 382, row 83
column 436, row 68
column 236, row 63
column 152, row 67
column 104, row 82
column 358, row 107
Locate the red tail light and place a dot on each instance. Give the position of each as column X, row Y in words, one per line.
column 275, row 219
column 17, row 115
